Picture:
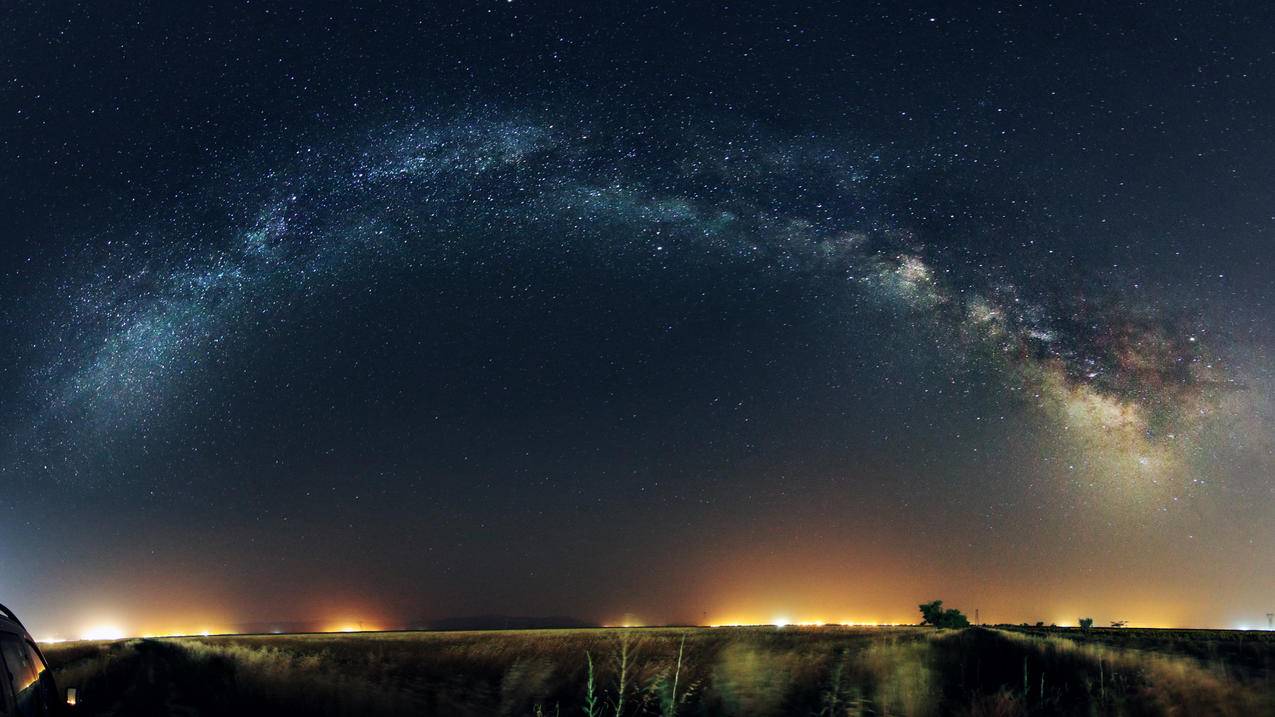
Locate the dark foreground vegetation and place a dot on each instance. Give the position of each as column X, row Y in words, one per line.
column 691, row 671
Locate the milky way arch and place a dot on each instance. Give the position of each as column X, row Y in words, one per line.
column 1128, row 385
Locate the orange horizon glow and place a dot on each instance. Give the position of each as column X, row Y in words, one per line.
column 115, row 625
column 782, row 621
column 106, row 632
column 352, row 626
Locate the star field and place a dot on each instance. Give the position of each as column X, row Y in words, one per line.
column 899, row 300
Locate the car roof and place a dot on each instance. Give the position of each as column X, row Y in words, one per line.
column 9, row 626
column 9, row 622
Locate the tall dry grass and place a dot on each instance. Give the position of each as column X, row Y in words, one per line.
column 1141, row 681
column 667, row 672
column 94, row 668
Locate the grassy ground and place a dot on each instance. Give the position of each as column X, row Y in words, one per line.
column 683, row 671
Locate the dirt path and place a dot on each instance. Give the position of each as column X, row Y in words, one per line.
column 157, row 687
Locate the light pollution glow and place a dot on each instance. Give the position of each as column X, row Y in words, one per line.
column 115, row 631
column 104, row 633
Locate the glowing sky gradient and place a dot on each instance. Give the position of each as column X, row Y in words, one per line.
column 827, row 315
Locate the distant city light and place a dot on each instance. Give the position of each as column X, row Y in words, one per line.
column 351, row 626
column 103, row 632
column 789, row 621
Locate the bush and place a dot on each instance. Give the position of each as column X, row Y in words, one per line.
column 932, row 613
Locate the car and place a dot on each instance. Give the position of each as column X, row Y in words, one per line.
column 26, row 682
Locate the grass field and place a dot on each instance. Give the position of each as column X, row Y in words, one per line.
column 681, row 671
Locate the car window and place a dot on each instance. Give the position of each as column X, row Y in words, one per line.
column 4, row 689
column 47, row 698
column 24, row 672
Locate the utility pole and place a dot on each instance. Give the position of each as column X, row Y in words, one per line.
column 976, row 622
column 1270, row 620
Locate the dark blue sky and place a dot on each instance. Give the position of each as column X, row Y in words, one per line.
column 513, row 307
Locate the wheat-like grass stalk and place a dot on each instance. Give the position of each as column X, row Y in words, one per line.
column 677, row 672
column 623, row 679
column 590, row 691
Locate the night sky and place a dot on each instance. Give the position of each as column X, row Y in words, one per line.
column 384, row 314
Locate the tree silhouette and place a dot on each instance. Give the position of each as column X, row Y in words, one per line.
column 932, row 613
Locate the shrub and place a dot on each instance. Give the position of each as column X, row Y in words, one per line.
column 932, row 613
